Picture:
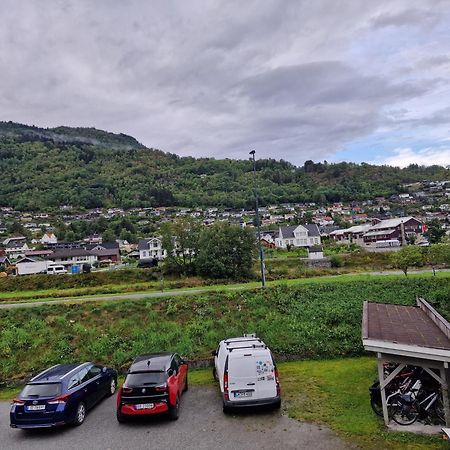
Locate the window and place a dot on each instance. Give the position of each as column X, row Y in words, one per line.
column 74, row 381
column 94, row 371
column 84, row 375
column 42, row 390
column 144, row 253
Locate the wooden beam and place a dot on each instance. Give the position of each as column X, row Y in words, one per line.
column 382, row 389
column 393, row 374
column 445, row 401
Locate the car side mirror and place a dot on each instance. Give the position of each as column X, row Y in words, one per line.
column 103, row 369
column 213, row 353
column 182, row 362
column 170, row 372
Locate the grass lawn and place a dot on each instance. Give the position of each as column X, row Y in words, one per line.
column 335, row 393
column 329, row 392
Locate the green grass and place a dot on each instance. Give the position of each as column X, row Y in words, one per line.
column 319, row 319
column 335, row 393
column 142, row 288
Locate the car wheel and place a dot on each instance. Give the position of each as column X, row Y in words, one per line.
column 277, row 405
column 80, row 414
column 174, row 410
column 186, row 385
column 120, row 417
column 226, row 409
column 112, row 387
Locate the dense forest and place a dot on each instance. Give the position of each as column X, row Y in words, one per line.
column 87, row 168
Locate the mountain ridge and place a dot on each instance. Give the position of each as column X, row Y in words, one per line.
column 87, row 168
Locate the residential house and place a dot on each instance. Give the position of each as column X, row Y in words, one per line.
column 399, row 229
column 4, row 261
column 73, row 257
column 48, row 238
column 151, row 248
column 106, row 251
column 15, row 247
column 351, row 235
column 307, row 235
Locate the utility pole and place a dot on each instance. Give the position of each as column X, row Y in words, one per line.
column 260, row 247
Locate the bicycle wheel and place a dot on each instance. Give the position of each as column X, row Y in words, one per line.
column 405, row 413
column 377, row 407
column 438, row 410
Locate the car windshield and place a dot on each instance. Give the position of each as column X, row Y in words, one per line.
column 42, row 390
column 145, row 378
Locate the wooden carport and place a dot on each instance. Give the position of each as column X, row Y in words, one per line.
column 408, row 335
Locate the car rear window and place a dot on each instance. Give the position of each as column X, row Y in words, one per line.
column 42, row 390
column 145, row 378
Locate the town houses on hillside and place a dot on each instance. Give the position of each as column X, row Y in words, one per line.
column 381, row 233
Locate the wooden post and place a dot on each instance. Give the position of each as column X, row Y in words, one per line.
column 444, row 387
column 382, row 388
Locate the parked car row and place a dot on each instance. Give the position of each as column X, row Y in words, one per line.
column 155, row 382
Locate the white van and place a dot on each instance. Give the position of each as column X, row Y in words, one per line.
column 246, row 372
column 56, row 270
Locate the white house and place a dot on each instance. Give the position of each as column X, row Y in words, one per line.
column 15, row 247
column 151, row 248
column 307, row 235
column 48, row 238
column 315, row 252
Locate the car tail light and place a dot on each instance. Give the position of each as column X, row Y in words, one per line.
column 127, row 390
column 17, row 402
column 161, row 388
column 277, row 381
column 225, row 386
column 58, row 400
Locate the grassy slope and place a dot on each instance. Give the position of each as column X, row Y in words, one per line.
column 306, row 320
column 107, row 290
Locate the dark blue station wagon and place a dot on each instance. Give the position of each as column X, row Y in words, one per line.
column 62, row 395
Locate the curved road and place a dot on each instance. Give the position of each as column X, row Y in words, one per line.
column 202, row 425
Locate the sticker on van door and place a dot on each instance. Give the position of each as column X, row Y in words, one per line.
column 263, row 368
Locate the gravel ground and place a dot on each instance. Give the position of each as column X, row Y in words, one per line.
column 202, row 425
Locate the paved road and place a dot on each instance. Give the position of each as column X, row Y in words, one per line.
column 201, row 426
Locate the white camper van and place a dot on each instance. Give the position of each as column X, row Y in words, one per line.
column 246, row 372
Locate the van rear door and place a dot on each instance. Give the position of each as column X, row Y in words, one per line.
column 242, row 383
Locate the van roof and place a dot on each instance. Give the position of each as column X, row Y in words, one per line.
column 258, row 352
column 241, row 339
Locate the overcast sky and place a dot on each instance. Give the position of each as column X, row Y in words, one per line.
column 319, row 79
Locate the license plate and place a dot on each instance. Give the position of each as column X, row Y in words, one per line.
column 242, row 394
column 35, row 407
column 144, row 406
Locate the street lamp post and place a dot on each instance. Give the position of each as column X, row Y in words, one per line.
column 260, row 247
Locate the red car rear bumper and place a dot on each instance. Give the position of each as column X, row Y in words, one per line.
column 130, row 410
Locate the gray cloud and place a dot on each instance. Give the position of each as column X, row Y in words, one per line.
column 296, row 80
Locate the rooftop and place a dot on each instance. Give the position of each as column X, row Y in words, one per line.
column 406, row 330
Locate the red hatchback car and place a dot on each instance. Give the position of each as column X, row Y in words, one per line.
column 154, row 385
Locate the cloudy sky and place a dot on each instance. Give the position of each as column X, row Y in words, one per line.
column 325, row 79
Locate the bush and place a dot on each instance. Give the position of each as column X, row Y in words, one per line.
column 336, row 261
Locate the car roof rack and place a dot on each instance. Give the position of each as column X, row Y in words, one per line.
column 255, row 346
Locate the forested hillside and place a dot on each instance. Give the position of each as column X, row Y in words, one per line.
column 85, row 167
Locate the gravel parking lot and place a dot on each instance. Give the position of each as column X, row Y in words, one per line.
column 202, row 425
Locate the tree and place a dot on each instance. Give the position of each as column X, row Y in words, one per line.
column 406, row 257
column 226, row 251
column 180, row 240
column 108, row 236
column 435, row 232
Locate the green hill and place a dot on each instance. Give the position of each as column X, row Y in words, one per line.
column 84, row 167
